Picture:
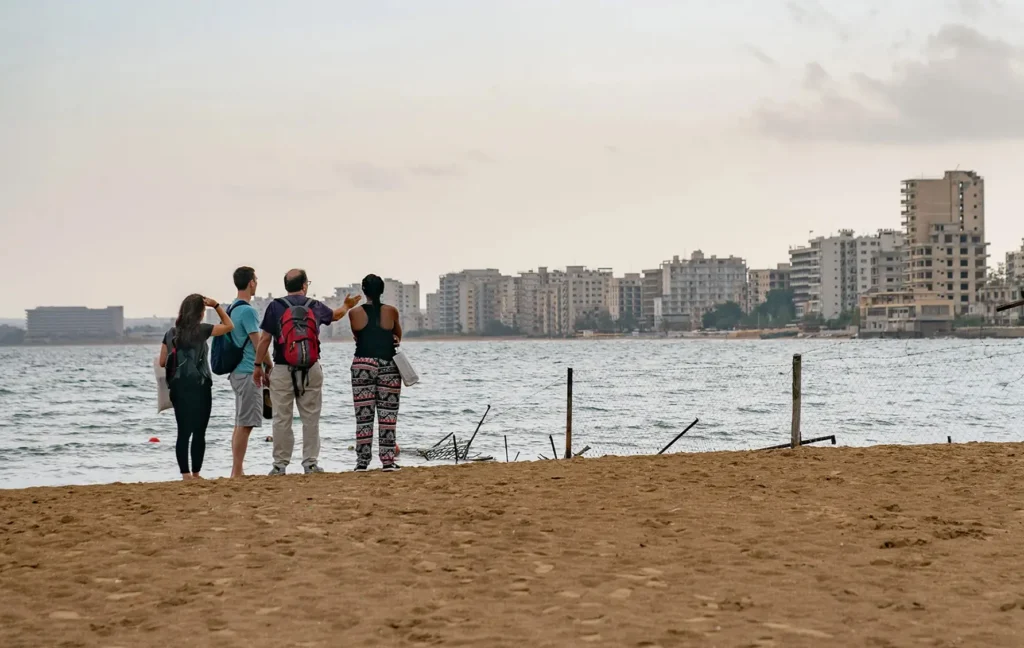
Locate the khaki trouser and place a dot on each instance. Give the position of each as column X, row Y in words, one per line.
column 282, row 397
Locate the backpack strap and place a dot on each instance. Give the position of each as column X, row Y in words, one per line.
column 308, row 304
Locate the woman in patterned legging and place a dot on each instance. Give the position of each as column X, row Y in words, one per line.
column 376, row 383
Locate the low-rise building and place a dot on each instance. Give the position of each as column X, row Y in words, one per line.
column 904, row 313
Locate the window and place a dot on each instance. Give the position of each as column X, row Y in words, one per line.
column 963, row 275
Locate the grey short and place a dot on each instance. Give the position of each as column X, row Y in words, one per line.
column 248, row 400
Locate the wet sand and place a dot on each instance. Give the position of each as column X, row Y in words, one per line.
column 885, row 546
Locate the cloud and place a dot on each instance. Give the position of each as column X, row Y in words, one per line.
column 480, row 157
column 436, row 170
column 974, row 9
column 810, row 13
column 759, row 54
column 964, row 86
column 369, row 177
column 815, row 77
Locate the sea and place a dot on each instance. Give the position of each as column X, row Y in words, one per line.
column 88, row 414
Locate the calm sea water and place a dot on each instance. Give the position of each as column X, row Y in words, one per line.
column 76, row 415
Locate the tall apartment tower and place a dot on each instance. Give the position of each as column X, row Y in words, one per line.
column 946, row 251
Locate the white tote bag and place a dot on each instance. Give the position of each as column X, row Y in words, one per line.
column 163, row 391
column 409, row 375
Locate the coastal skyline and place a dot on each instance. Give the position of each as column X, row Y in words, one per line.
column 147, row 153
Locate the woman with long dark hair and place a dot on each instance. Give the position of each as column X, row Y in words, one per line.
column 376, row 383
column 184, row 355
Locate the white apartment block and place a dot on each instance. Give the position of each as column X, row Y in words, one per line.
column 403, row 296
column 432, row 320
column 625, row 298
column 762, row 282
column 1015, row 265
column 880, row 262
column 830, row 273
column 469, row 300
column 805, row 279
column 692, row 287
column 944, row 220
column 650, row 290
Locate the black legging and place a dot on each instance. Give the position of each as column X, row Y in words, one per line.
column 192, row 404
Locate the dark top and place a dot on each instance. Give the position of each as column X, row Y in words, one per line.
column 275, row 311
column 374, row 341
column 199, row 346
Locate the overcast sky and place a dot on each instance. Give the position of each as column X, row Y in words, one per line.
column 148, row 148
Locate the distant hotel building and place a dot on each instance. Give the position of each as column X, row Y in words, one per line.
column 403, row 296
column 830, row 273
column 1015, row 265
column 692, row 287
column 74, row 323
column 762, row 282
column 945, row 230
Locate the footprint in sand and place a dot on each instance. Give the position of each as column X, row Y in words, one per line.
column 65, row 615
column 621, row 594
column 570, row 594
column 543, row 568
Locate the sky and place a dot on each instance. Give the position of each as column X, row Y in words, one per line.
column 149, row 148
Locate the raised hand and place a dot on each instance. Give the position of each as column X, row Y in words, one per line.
column 351, row 301
column 210, row 302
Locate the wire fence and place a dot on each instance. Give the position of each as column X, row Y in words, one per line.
column 860, row 393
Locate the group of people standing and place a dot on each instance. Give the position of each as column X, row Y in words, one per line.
column 292, row 373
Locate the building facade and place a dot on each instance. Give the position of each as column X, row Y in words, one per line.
column 625, row 299
column 469, row 300
column 944, row 221
column 692, row 287
column 1015, row 264
column 831, row 273
column 762, row 282
column 904, row 314
column 74, row 323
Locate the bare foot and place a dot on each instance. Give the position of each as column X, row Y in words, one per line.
column 186, row 476
column 196, row 476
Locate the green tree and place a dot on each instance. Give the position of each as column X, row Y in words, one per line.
column 725, row 317
column 10, row 335
column 495, row 328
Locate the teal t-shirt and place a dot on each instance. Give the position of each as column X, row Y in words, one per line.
column 246, row 320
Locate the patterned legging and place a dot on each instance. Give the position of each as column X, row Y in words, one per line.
column 376, row 384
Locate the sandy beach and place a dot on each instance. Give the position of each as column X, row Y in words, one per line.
column 884, row 546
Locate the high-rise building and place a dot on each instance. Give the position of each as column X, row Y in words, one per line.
column 650, row 291
column 880, row 262
column 944, row 220
column 805, row 279
column 1015, row 265
column 692, row 287
column 625, row 298
column 72, row 323
column 830, row 273
column 433, row 312
column 587, row 294
column 469, row 300
column 762, row 282
column 403, row 296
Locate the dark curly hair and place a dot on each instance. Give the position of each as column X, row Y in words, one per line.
column 373, row 287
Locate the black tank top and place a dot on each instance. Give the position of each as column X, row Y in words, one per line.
column 374, row 341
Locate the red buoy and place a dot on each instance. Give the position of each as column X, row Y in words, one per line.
column 154, row 440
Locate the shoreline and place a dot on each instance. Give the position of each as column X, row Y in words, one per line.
column 993, row 333
column 684, row 549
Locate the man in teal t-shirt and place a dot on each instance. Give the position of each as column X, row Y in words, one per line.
column 246, row 382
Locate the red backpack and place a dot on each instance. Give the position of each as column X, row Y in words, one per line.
column 299, row 336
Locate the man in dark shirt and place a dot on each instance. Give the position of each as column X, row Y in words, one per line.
column 283, row 397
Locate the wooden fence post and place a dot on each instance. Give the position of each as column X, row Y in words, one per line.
column 797, row 388
column 568, row 417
